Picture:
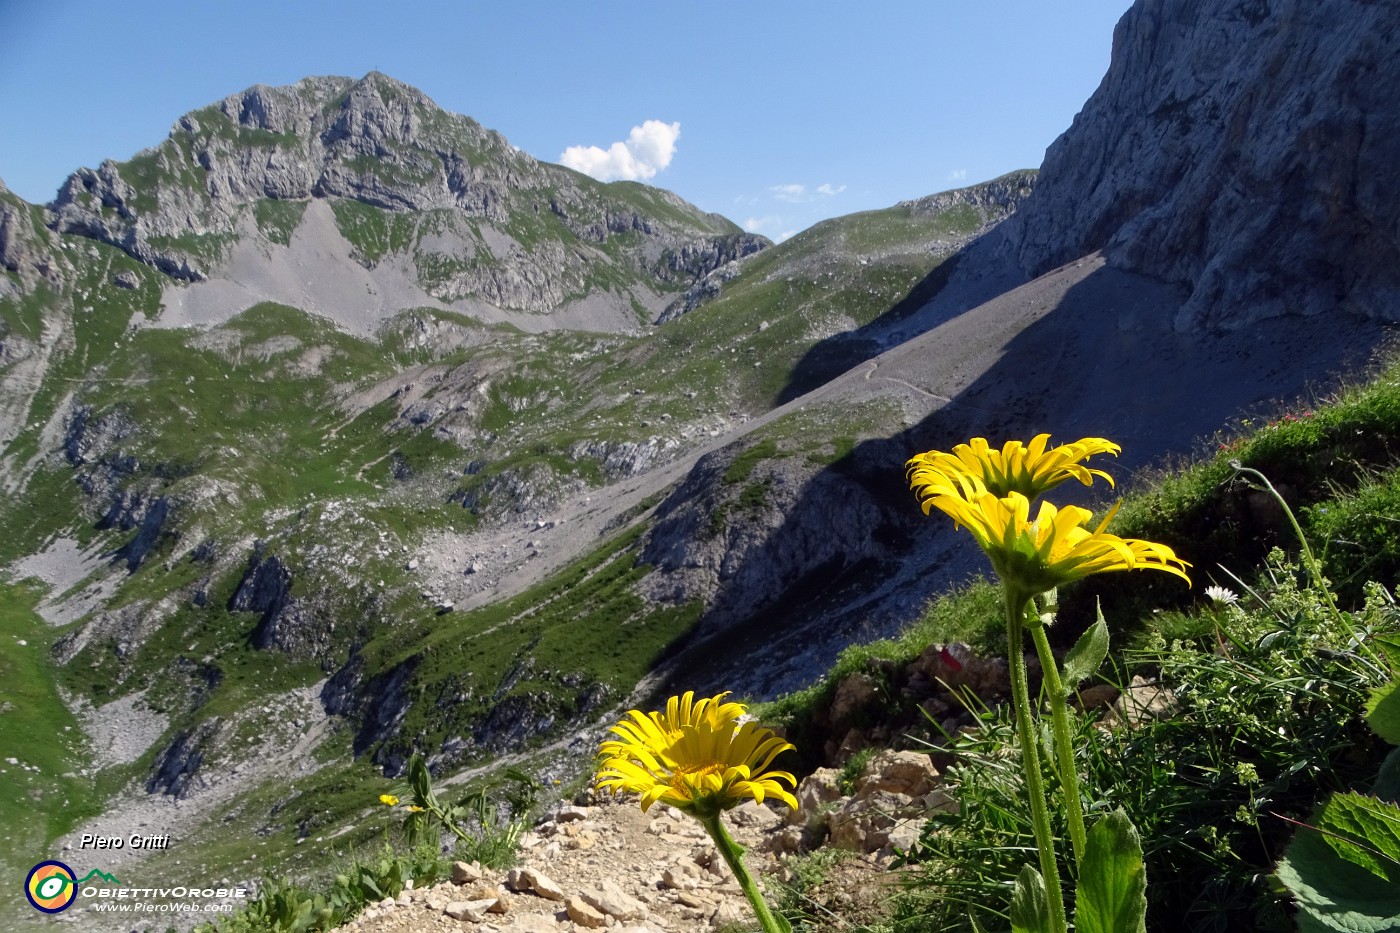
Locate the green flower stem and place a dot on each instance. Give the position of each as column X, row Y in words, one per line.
column 1064, row 744
column 734, row 857
column 1310, row 559
column 1016, row 603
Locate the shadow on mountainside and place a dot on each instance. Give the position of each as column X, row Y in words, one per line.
column 1084, row 351
column 838, row 353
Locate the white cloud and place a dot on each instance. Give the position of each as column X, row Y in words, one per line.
column 758, row 224
column 648, row 150
column 800, row 194
column 784, row 235
column 958, row 175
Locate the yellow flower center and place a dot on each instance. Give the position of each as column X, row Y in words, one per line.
column 696, row 773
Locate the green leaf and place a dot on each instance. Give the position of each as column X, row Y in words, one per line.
column 1111, row 895
column 1390, row 646
column 1383, row 712
column 1365, row 831
column 418, row 826
column 1087, row 654
column 418, row 777
column 1334, row 894
column 1387, row 786
column 1030, row 905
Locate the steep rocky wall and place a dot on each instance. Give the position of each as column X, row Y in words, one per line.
column 1246, row 149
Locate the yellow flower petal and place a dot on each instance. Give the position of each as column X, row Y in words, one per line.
column 695, row 756
column 1055, row 548
column 1029, row 469
column 389, row 800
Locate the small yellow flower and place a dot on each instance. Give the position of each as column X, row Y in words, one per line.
column 389, row 800
column 1029, row 469
column 413, row 808
column 1036, row 556
column 696, row 757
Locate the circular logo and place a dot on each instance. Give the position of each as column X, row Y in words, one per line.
column 50, row 887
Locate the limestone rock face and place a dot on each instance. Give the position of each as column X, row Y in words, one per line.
column 1243, row 148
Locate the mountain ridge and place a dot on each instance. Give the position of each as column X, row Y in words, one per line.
column 453, row 208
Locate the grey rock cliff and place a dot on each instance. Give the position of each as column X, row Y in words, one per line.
column 1243, row 148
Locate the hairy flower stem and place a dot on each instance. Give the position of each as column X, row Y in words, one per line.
column 1064, row 745
column 1016, row 604
column 734, row 857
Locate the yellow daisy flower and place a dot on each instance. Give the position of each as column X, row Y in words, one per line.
column 656, row 730
column 389, row 800
column 696, row 757
column 1029, row 469
column 1054, row 549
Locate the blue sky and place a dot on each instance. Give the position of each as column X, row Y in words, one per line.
column 774, row 114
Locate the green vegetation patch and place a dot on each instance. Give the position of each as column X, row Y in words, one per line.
column 743, row 465
column 208, row 248
column 167, row 166
column 373, row 231
column 278, row 219
column 47, row 792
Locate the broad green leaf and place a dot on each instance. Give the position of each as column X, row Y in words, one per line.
column 1387, row 786
column 1383, row 712
column 1085, row 657
column 1030, row 906
column 1390, row 646
column 1365, row 831
column 1111, row 894
column 1334, row 894
column 418, row 778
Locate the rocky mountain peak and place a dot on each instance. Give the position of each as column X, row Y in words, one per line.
column 380, row 110
column 376, row 101
column 452, row 211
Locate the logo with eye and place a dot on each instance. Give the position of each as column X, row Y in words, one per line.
column 50, row 887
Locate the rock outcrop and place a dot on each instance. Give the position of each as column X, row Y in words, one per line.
column 737, row 541
column 177, row 769
column 266, row 588
column 1245, row 149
